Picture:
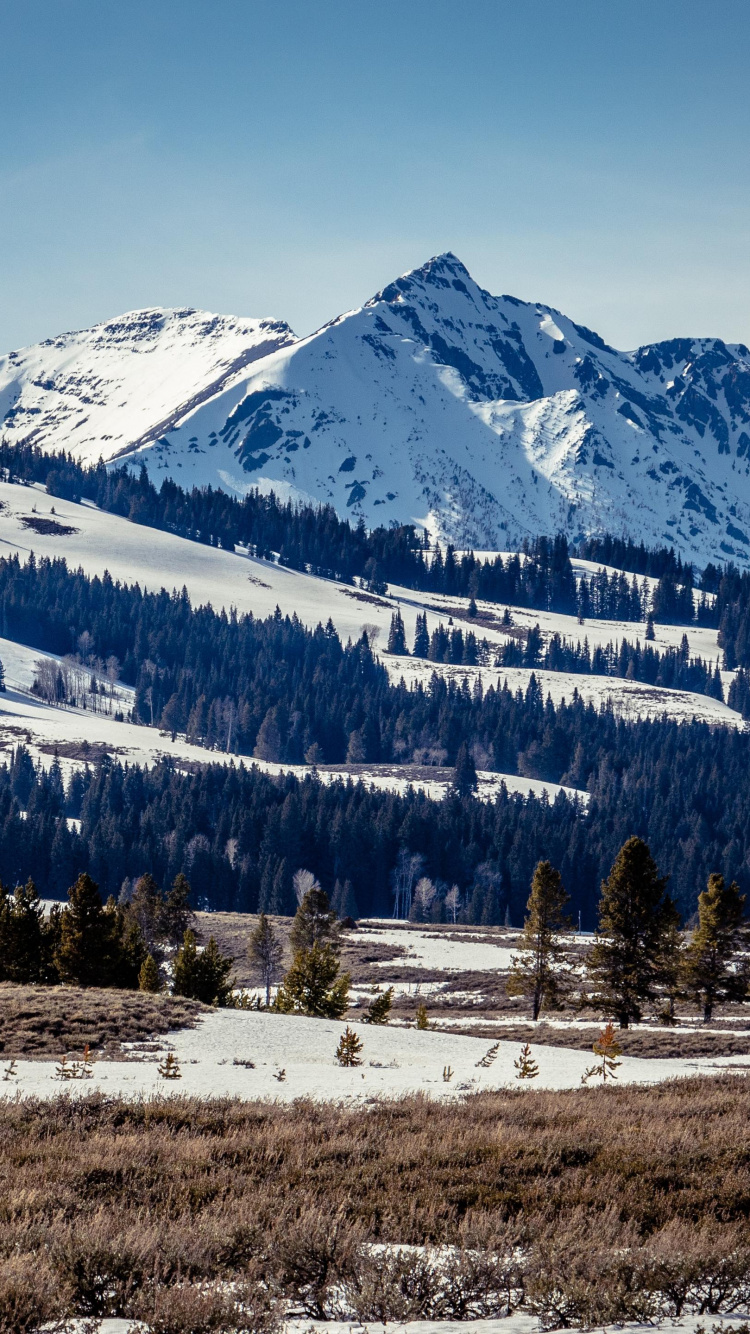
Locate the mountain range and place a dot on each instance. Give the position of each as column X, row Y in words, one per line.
column 484, row 419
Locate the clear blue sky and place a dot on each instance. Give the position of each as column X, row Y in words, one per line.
column 290, row 157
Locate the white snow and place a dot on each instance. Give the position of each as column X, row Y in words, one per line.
column 433, row 949
column 396, row 1061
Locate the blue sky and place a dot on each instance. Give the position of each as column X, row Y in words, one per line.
column 290, row 158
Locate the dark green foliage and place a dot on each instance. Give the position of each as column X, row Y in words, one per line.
column 315, row 922
column 715, row 966
column 313, row 985
column 634, row 914
column 538, row 970
column 25, row 942
column 202, row 975
column 379, row 1009
column 465, row 781
column 397, row 634
column 148, row 977
column 83, row 955
column 176, row 914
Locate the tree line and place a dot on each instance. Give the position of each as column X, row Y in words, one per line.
column 239, row 834
column 313, row 538
column 640, row 958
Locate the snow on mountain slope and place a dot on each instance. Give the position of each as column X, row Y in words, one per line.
column 486, row 419
column 483, row 418
column 124, row 382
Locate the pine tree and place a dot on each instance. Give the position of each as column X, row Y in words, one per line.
column 465, row 781
column 379, row 1009
column 184, row 974
column 148, row 977
column 607, row 1048
column 313, row 985
column 349, row 1049
column 397, row 635
column 537, row 970
column 23, row 950
column 315, row 922
column 526, row 1066
column 650, row 633
column 421, row 636
column 714, row 970
column 422, row 1020
column 176, row 913
column 170, row 1068
column 84, row 950
column 266, row 952
column 634, row 913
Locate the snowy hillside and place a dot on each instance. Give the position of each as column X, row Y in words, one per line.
column 124, row 382
column 483, row 418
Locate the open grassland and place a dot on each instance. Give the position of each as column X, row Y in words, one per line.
column 580, row 1207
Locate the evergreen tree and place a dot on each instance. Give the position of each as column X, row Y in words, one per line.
column 715, row 971
column 634, row 912
column 127, row 948
column 146, row 906
column 422, row 1020
column 204, row 975
column 349, row 1050
column 176, row 913
column 465, row 781
column 266, row 952
column 313, row 985
column 83, row 954
column 148, row 977
column 185, row 969
column 213, row 972
column 607, row 1049
column 24, row 937
column 537, row 970
column 397, row 635
column 526, row 1066
column 421, row 636
column 315, row 922
column 379, row 1009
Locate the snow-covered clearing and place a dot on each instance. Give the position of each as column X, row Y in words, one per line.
column 630, row 699
column 436, row 949
column 396, row 1062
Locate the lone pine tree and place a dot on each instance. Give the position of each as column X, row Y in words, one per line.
column 349, row 1050
column 607, row 1049
column 634, row 914
column 537, row 971
column 714, row 971
column 397, row 635
column 526, row 1066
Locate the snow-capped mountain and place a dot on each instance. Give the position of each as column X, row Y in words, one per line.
column 127, row 381
column 483, row 418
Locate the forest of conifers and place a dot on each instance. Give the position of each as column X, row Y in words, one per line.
column 278, row 691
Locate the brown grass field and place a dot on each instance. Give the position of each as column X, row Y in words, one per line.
column 48, row 1021
column 581, row 1207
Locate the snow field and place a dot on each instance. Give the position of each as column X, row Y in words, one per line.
column 396, row 1062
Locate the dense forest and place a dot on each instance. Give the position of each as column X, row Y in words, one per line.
column 239, row 835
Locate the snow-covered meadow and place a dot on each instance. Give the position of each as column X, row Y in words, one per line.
column 251, row 1055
